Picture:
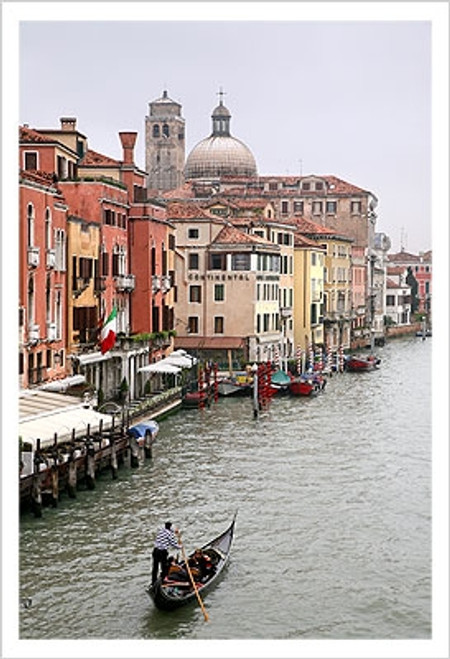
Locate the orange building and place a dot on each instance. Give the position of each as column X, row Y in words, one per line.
column 42, row 263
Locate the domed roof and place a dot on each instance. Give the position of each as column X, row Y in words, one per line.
column 220, row 154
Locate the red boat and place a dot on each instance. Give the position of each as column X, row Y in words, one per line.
column 361, row 364
column 302, row 387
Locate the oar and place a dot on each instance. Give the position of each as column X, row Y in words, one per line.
column 202, row 606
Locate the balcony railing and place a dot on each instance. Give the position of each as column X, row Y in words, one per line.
column 51, row 258
column 51, row 332
column 33, row 333
column 285, row 312
column 33, row 256
column 156, row 283
column 166, row 283
column 125, row 283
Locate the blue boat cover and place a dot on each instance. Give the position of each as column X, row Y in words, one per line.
column 140, row 428
column 280, row 378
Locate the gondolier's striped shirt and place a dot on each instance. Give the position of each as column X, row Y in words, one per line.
column 165, row 539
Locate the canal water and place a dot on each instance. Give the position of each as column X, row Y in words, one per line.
column 333, row 531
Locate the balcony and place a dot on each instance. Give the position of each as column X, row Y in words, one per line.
column 125, row 283
column 166, row 283
column 51, row 332
column 33, row 333
column 51, row 258
column 285, row 312
column 33, row 256
column 156, row 283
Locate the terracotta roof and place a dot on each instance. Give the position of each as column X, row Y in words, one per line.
column 38, row 176
column 93, row 159
column 230, row 235
column 302, row 241
column 392, row 284
column 395, row 270
column 179, row 210
column 183, row 192
column 209, row 342
column 31, row 136
column 403, row 257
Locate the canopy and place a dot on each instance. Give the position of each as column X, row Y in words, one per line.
column 280, row 378
column 163, row 366
column 63, row 423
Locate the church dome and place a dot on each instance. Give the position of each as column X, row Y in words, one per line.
column 220, row 154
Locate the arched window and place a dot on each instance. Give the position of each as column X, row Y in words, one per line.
column 48, row 229
column 30, row 225
column 48, row 299
column 165, row 130
column 30, row 301
column 156, row 130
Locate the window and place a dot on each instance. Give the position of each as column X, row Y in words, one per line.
column 30, row 225
column 193, row 233
column 105, row 263
column 193, row 324
column 273, row 185
column 306, row 186
column 319, row 185
column 156, row 130
column 193, row 261
column 217, row 262
column 219, row 292
column 240, row 262
column 48, row 229
column 298, row 207
column 284, row 207
column 218, row 324
column 30, row 160
column 60, row 249
column 331, row 207
column 355, row 207
column 195, row 294
column 390, row 300
column 165, row 130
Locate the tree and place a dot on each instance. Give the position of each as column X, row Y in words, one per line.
column 412, row 283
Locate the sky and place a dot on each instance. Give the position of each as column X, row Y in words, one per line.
column 351, row 98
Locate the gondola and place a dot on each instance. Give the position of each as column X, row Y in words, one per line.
column 169, row 595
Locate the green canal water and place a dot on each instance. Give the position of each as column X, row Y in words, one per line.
column 333, row 533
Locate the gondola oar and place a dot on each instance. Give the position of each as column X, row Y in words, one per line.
column 200, row 601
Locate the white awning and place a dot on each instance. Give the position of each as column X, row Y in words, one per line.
column 63, row 423
column 183, row 361
column 64, row 383
column 93, row 357
column 163, row 366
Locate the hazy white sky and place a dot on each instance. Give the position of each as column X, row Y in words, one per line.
column 345, row 97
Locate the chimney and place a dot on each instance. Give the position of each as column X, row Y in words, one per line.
column 128, row 140
column 68, row 124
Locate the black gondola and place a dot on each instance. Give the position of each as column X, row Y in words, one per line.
column 169, row 595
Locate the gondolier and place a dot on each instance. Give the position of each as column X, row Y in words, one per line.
column 165, row 538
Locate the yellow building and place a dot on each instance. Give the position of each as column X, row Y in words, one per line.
column 309, row 257
column 337, row 285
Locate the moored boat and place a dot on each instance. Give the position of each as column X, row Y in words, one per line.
column 233, row 387
column 170, row 594
column 361, row 364
column 280, row 382
column 307, row 385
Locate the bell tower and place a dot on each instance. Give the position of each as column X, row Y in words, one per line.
column 164, row 144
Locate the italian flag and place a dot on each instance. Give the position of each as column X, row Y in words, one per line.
column 108, row 332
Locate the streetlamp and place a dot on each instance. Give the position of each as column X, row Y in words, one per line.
column 255, row 390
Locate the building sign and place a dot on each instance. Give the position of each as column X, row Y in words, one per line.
column 220, row 277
